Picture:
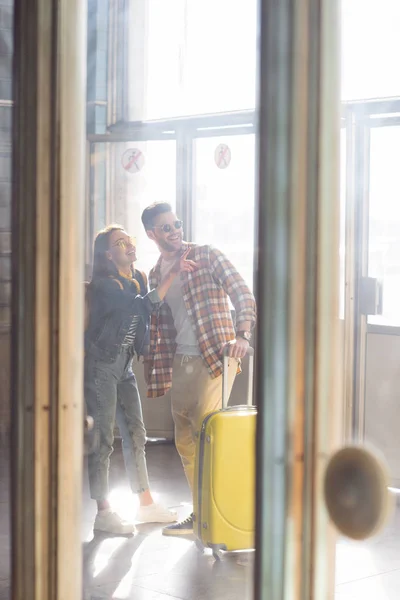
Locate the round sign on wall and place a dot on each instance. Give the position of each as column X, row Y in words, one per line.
column 133, row 160
column 222, row 156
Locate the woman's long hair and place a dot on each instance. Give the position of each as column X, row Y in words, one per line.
column 102, row 265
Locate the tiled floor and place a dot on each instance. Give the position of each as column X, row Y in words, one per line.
column 152, row 567
column 370, row 570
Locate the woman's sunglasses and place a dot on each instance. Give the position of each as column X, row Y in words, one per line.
column 125, row 243
column 167, row 228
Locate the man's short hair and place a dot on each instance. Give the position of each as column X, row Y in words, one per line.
column 152, row 211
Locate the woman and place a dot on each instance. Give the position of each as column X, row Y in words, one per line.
column 117, row 327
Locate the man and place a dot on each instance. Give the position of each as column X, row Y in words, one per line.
column 190, row 331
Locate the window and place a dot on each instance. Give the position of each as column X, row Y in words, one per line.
column 370, row 49
column 384, row 221
column 224, row 201
column 187, row 57
column 152, row 180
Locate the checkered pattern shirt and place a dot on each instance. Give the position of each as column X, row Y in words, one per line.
column 205, row 293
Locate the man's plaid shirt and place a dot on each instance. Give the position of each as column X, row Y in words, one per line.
column 205, row 293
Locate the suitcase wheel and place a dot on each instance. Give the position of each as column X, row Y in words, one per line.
column 217, row 555
column 216, row 550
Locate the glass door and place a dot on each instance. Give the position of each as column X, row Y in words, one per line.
column 375, row 275
column 382, row 356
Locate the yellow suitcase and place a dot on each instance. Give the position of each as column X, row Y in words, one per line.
column 224, row 494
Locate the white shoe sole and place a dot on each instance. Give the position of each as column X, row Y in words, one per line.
column 116, row 533
column 163, row 521
column 177, row 532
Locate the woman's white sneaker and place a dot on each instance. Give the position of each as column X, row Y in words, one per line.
column 156, row 513
column 110, row 522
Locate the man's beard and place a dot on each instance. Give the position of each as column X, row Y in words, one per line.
column 164, row 245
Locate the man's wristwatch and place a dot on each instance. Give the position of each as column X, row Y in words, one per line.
column 246, row 335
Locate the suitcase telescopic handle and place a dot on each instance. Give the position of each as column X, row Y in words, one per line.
column 225, row 385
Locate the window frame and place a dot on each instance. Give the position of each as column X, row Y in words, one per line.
column 361, row 117
column 184, row 130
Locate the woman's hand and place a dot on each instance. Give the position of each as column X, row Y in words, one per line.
column 183, row 264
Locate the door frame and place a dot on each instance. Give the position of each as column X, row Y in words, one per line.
column 359, row 118
column 46, row 391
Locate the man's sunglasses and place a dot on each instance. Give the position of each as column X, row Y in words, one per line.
column 167, row 228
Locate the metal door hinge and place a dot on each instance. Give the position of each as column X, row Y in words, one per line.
column 371, row 296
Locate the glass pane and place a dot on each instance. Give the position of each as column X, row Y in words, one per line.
column 164, row 50
column 143, row 173
column 370, row 49
column 384, row 221
column 220, row 75
column 224, row 198
column 188, row 57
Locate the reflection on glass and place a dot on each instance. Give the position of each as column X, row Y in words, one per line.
column 224, row 198
column 384, row 221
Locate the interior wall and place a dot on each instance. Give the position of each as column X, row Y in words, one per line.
column 382, row 399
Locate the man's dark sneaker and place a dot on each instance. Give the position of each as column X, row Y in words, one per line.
column 182, row 528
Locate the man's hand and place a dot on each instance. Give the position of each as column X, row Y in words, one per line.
column 181, row 265
column 238, row 348
column 184, row 264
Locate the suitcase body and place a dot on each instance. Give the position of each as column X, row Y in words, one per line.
column 224, row 494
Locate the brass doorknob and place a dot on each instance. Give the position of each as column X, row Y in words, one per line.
column 356, row 492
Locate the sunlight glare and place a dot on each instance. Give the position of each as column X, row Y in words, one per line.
column 104, row 553
column 124, row 503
